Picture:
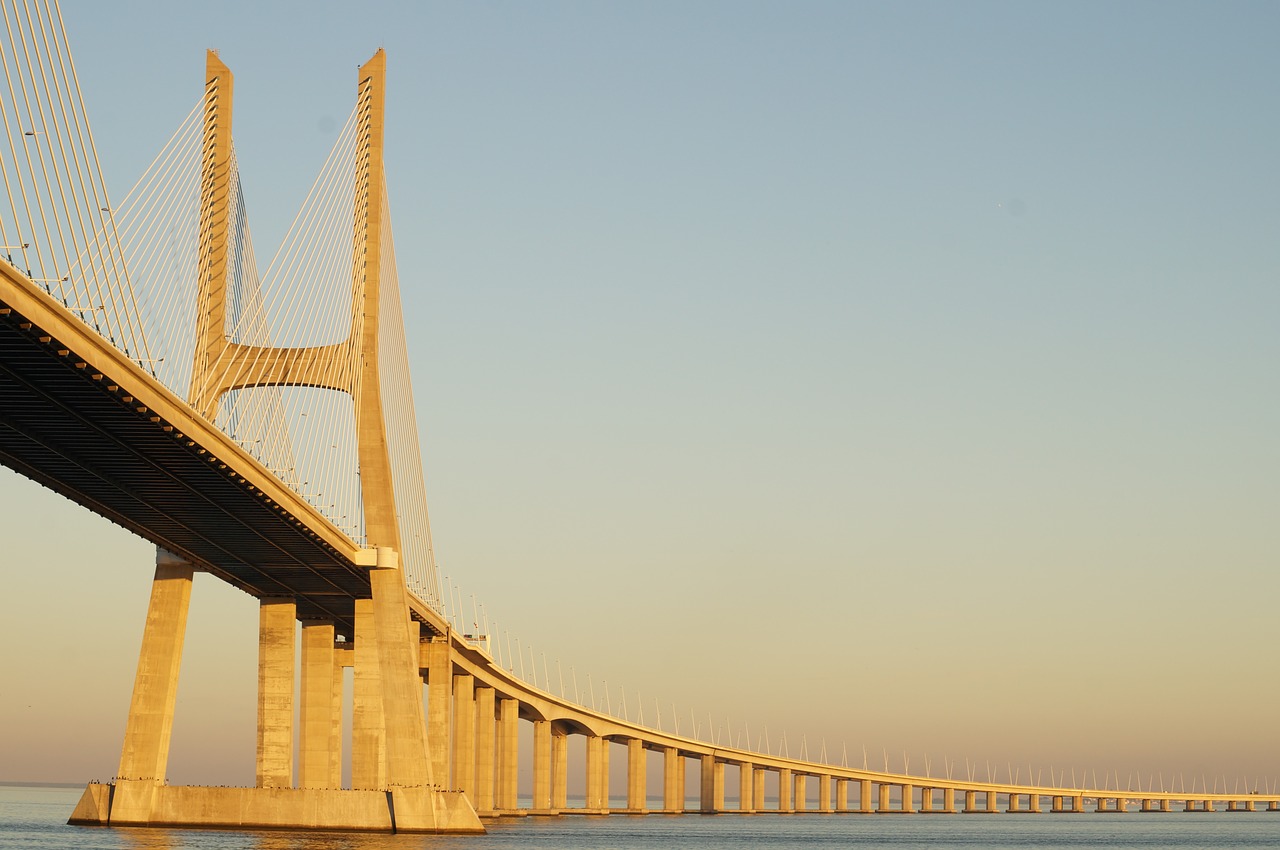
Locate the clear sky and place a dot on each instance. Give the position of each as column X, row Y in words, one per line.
column 894, row 374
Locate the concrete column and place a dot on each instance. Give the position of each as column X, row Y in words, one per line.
column 883, row 805
column 408, row 764
column 680, row 781
column 949, row 800
column 144, row 759
column 707, row 777
column 439, row 666
column 1014, row 802
column 1077, row 804
column 746, row 787
column 316, row 714
column 486, row 749
column 842, row 795
column 785, row 789
column 1033, row 804
column 800, row 797
column 464, row 734
column 926, row 800
column 277, row 630
column 541, row 765
column 595, row 772
column 1055, row 803
column 636, row 780
column 559, row 771
column 672, row 793
column 824, row 793
column 508, row 753
column 368, row 742
column 757, row 789
column 864, row 796
column 970, row 802
column 717, row 784
column 1165, row 806
column 605, row 801
column 992, row 802
column 335, row 724
column 908, row 798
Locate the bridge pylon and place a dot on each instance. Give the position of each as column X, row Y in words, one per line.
column 393, row 783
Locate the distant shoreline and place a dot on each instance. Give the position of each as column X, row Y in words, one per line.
column 13, row 783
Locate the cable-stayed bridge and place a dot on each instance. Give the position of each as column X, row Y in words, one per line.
column 260, row 427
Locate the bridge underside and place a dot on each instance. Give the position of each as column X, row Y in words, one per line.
column 95, row 435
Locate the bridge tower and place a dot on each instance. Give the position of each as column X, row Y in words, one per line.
column 391, row 753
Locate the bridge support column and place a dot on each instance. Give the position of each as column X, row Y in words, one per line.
column 277, row 633
column 485, row 748
column 1055, row 803
column 717, row 786
column 1015, row 801
column 416, row 805
column 541, row 765
column 464, row 734
column 707, row 783
column 908, row 799
column 439, row 665
column 681, row 763
column 746, row 787
column 785, row 802
column 824, row 793
column 949, row 800
column 757, row 789
column 970, row 802
column 992, row 802
column 368, row 741
column 508, row 753
column 883, row 805
column 801, row 797
column 559, row 770
column 864, row 796
column 1033, row 804
column 597, row 782
column 672, row 793
column 144, row 759
column 637, row 796
column 316, row 742
column 842, row 795
column 926, row 801
column 1165, row 806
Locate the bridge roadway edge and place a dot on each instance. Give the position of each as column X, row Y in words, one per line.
column 82, row 419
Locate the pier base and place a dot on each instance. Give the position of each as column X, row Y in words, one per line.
column 397, row 810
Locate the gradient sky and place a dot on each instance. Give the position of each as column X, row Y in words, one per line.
column 897, row 375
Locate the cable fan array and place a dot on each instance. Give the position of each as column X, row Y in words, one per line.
column 304, row 305
column 55, row 221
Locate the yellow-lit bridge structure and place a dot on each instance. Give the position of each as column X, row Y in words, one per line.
column 260, row 429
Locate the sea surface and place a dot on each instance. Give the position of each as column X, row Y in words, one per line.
column 34, row 818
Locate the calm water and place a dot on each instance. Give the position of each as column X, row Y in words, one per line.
column 34, row 818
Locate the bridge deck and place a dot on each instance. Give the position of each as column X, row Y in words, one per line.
column 81, row 418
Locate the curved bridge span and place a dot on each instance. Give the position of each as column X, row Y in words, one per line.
column 207, row 471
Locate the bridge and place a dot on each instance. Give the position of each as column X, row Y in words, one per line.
column 260, row 429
